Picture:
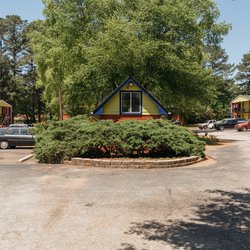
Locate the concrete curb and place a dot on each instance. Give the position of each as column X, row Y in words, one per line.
column 25, row 158
column 133, row 163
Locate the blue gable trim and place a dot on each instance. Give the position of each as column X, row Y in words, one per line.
column 99, row 110
column 162, row 111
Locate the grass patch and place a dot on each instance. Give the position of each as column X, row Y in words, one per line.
column 209, row 140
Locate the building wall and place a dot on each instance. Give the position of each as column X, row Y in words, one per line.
column 119, row 118
column 243, row 110
column 112, row 107
column 4, row 118
column 244, row 113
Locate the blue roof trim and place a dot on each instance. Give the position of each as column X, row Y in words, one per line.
column 99, row 109
column 162, row 111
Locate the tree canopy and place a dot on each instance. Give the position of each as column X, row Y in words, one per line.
column 85, row 48
column 17, row 68
column 243, row 75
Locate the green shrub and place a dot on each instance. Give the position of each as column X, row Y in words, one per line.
column 77, row 137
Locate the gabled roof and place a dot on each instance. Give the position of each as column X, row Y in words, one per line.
column 241, row 98
column 4, row 104
column 99, row 109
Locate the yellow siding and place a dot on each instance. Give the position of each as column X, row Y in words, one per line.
column 112, row 107
column 128, row 88
column 245, row 116
column 244, row 109
column 245, row 106
column 148, row 106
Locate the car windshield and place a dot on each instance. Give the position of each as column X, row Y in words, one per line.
column 224, row 121
column 3, row 131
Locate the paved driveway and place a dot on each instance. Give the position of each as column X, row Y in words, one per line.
column 10, row 156
column 206, row 206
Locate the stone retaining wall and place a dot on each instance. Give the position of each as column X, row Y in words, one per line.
column 133, row 163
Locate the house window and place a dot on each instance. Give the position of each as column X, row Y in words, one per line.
column 130, row 102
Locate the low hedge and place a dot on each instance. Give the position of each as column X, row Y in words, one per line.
column 77, row 137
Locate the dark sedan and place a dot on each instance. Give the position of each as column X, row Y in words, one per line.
column 3, row 131
column 228, row 123
column 16, row 136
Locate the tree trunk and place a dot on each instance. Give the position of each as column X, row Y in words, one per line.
column 60, row 103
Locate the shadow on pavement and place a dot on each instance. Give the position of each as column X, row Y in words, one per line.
column 23, row 147
column 125, row 246
column 222, row 223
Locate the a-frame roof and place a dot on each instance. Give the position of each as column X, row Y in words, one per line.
column 241, row 98
column 4, row 104
column 99, row 109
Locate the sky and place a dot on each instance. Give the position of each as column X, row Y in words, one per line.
column 237, row 42
column 235, row 12
column 28, row 9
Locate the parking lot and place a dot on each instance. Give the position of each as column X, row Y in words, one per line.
column 204, row 206
column 12, row 156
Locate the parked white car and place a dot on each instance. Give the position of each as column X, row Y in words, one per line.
column 208, row 124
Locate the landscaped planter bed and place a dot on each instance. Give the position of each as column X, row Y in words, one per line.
column 152, row 140
column 133, row 163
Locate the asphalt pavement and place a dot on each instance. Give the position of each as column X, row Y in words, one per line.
column 10, row 156
column 204, row 206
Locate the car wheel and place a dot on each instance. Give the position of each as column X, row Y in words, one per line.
column 4, row 144
column 221, row 127
column 244, row 129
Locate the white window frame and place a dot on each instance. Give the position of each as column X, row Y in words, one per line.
column 130, row 108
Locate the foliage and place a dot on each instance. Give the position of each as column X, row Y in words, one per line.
column 77, row 137
column 17, row 69
column 243, row 75
column 224, row 73
column 84, row 49
column 209, row 140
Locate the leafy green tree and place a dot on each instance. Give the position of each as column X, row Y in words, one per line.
column 84, row 49
column 4, row 65
column 14, row 50
column 32, row 104
column 51, row 65
column 218, row 61
column 225, row 79
column 17, row 69
column 243, row 75
column 4, row 77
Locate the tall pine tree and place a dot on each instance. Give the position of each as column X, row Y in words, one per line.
column 17, row 69
column 243, row 75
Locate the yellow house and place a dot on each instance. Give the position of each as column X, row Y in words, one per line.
column 240, row 107
column 130, row 101
column 5, row 113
